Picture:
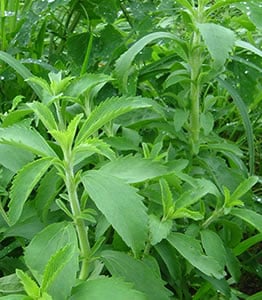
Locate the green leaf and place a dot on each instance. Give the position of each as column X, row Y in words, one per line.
column 16, row 297
column 13, row 158
column 44, row 114
column 65, row 138
column 109, row 110
column 85, row 83
column 249, row 47
column 105, row 289
column 245, row 118
column 219, row 41
column 167, row 199
column 90, row 147
column 44, row 245
column 193, row 195
column 114, row 197
column 213, row 246
column 60, row 272
column 244, row 187
column 246, row 244
column 30, row 286
column 256, row 296
column 134, row 169
column 26, row 138
column 180, row 118
column 123, row 64
column 49, row 187
column 21, row 70
column 248, row 216
column 10, row 284
column 253, row 10
column 23, row 184
column 187, row 213
column 138, row 272
column 159, row 230
column 191, row 250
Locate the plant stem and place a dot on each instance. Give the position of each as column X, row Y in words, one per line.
column 71, row 187
column 195, row 61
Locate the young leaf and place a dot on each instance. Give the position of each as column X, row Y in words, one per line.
column 66, row 137
column 138, row 272
column 114, row 197
column 134, row 169
column 167, row 199
column 219, row 41
column 90, row 147
column 30, row 286
column 159, row 229
column 109, row 110
column 23, row 184
column 106, row 288
column 248, row 216
column 24, row 137
column 60, row 272
column 191, row 250
column 44, row 114
column 244, row 187
column 45, row 244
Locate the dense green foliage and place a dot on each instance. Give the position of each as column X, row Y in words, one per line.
column 130, row 148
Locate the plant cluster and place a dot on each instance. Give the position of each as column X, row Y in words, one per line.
column 130, row 148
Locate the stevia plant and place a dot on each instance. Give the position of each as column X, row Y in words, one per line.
column 126, row 182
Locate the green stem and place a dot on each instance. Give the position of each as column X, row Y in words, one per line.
column 81, row 229
column 195, row 90
column 195, row 61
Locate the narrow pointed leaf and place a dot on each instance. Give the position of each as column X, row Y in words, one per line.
column 44, row 114
column 21, row 70
column 109, row 110
column 244, row 187
column 248, row 216
column 30, row 286
column 114, row 197
column 123, row 64
column 245, row 118
column 23, row 184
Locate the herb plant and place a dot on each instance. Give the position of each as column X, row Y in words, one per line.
column 130, row 144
